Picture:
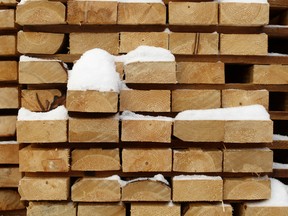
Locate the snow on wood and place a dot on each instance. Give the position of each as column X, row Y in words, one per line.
column 280, row 166
column 278, row 137
column 127, row 115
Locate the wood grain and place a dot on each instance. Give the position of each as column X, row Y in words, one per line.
column 10, row 200
column 51, row 209
column 8, row 45
column 8, row 71
column 9, row 153
column 9, row 98
column 269, row 74
column 7, row 126
column 100, row 209
column 154, row 209
column 9, row 177
column 198, row 209
column 7, row 20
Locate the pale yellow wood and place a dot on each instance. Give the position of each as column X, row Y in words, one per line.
column 9, row 177
column 192, row 190
column 42, row 131
column 200, row 72
column 248, row 160
column 9, row 98
column 8, row 45
column 193, row 13
column 10, row 200
column 194, row 43
column 146, row 190
column 8, row 2
column 44, row 188
column 269, row 74
column 237, row 97
column 147, row 160
column 92, row 101
column 247, row 210
column 99, row 209
column 39, row 42
column 51, row 209
column 40, row 13
column 93, row 130
column 7, row 126
column 8, row 71
column 141, row 13
column 146, row 131
column 140, row 209
column 199, row 209
column 150, row 72
column 243, row 44
column 246, row 188
column 186, row 99
column 120, row 69
column 243, row 14
column 96, row 159
column 7, row 19
column 91, row 12
column 197, row 160
column 44, row 159
column 82, row 42
column 9, row 153
column 131, row 40
column 96, row 190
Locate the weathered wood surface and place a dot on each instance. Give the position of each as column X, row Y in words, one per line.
column 9, row 177
column 198, row 209
column 269, row 74
column 139, row 209
column 7, row 126
column 9, row 98
column 247, row 210
column 8, row 71
column 7, row 20
column 9, row 153
column 99, row 209
column 8, row 45
column 51, row 209
column 8, row 2
column 10, row 200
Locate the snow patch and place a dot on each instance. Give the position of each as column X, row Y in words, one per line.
column 196, row 177
column 280, row 166
column 278, row 137
column 12, row 142
column 277, row 54
column 158, row 177
column 128, row 115
column 167, row 30
column 24, row 58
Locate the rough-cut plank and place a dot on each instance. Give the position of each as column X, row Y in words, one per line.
column 10, row 200
column 91, row 12
column 99, row 209
column 145, row 100
column 198, row 209
column 269, row 74
column 131, row 40
column 147, row 160
column 8, row 71
column 146, row 131
column 51, row 209
column 9, row 153
column 141, row 13
column 92, row 101
column 44, row 188
column 95, row 159
column 7, row 19
column 146, row 190
column 93, row 130
column 197, row 160
column 243, row 14
column 42, row 131
column 247, row 160
column 9, row 98
column 7, row 126
column 41, row 72
column 8, row 2
column 193, row 13
column 8, row 45
column 96, row 190
column 194, row 43
column 139, row 209
column 185, row 99
column 237, row 97
column 150, row 72
column 9, row 177
column 200, row 72
column 81, row 42
column 40, row 13
column 248, row 210
column 243, row 44
column 39, row 42
column 246, row 189
column 44, row 159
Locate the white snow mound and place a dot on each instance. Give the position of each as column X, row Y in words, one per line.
column 128, row 115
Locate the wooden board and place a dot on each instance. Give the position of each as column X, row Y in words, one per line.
column 7, row 19
column 200, row 73
column 141, row 13
column 95, row 159
column 186, row 99
column 194, row 43
column 8, row 71
column 7, row 126
column 96, row 190
column 8, row 45
column 193, row 13
column 44, row 159
column 197, row 160
column 93, row 130
column 42, row 72
column 40, row 13
column 91, row 12
column 246, row 189
column 51, row 209
column 9, row 177
column 243, row 14
column 44, row 131
column 81, row 42
column 39, row 42
column 247, row 210
column 9, row 98
column 145, row 100
column 8, row 2
column 237, row 97
column 92, row 101
column 146, row 131
column 139, row 209
column 147, row 160
column 269, row 74
column 9, row 153
column 150, row 72
column 243, row 44
column 99, row 209
column 131, row 40
column 198, row 209
column 10, row 200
